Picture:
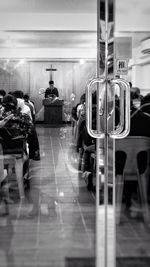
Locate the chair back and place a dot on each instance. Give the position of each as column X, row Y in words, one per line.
column 145, row 108
column 132, row 146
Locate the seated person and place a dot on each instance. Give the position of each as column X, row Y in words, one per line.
column 20, row 124
column 24, row 108
column 136, row 96
column 74, row 113
column 34, row 151
column 31, row 106
column 51, row 90
column 5, row 120
column 139, row 122
column 2, row 94
column 145, row 104
column 81, row 106
column 140, row 126
column 86, row 146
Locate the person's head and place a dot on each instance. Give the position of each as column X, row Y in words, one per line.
column 135, row 99
column 82, row 99
column 9, row 103
column 2, row 94
column 135, row 93
column 26, row 98
column 18, row 94
column 51, row 83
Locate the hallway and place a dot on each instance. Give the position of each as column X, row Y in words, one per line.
column 56, row 221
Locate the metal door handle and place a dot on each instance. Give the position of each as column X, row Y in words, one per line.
column 93, row 133
column 124, row 127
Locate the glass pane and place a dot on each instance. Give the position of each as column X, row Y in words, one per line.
column 105, row 146
column 132, row 153
column 47, row 203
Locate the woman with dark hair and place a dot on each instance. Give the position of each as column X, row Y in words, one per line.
column 31, row 106
column 19, row 124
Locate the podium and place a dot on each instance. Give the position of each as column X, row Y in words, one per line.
column 53, row 112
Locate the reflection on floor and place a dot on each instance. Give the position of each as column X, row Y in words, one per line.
column 133, row 262
column 55, row 225
column 56, row 222
column 133, row 240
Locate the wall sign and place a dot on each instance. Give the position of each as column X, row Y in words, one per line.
column 122, row 66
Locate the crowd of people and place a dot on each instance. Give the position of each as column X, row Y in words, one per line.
column 17, row 120
column 85, row 144
column 17, row 117
column 18, row 139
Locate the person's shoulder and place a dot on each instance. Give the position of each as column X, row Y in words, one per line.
column 31, row 103
column 79, row 106
column 27, row 106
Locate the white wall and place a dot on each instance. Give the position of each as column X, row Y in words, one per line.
column 132, row 15
column 145, row 79
column 140, row 74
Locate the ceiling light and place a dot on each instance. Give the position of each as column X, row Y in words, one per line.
column 82, row 61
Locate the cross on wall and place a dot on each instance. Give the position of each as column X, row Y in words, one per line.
column 51, row 69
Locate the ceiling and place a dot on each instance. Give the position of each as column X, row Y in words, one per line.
column 49, row 6
column 58, row 24
column 48, row 39
column 54, row 30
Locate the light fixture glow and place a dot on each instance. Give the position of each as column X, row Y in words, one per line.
column 82, row 61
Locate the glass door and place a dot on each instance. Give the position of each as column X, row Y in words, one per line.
column 122, row 159
column 112, row 92
column 131, row 40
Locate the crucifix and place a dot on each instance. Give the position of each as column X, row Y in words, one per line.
column 51, row 69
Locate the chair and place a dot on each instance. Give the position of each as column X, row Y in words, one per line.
column 74, row 122
column 15, row 155
column 133, row 146
column 3, row 190
column 146, row 108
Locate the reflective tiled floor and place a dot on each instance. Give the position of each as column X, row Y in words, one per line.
column 56, row 220
column 55, row 225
